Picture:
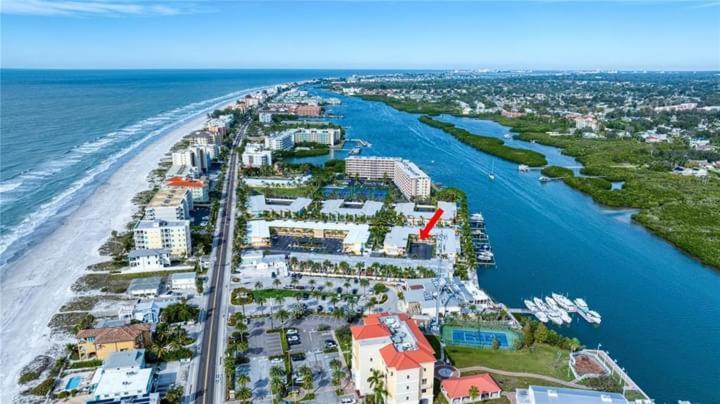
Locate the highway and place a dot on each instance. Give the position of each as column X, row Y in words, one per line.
column 209, row 378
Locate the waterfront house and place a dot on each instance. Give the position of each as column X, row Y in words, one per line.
column 457, row 389
column 149, row 258
column 149, row 286
column 99, row 343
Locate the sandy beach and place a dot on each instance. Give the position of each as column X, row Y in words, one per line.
column 37, row 284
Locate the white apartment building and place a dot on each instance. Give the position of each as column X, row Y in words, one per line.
column 393, row 345
column 192, row 156
column 173, row 235
column 183, row 281
column 408, row 177
column 280, row 141
column 327, row 136
column 255, row 156
column 170, row 204
column 149, row 259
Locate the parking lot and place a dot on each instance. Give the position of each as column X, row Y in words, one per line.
column 306, row 244
column 310, row 351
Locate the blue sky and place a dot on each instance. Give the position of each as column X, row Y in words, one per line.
column 653, row 35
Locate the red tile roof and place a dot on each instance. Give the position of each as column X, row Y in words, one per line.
column 369, row 331
column 114, row 334
column 185, row 182
column 459, row 387
column 374, row 328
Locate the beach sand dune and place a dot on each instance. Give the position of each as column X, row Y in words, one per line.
column 38, row 283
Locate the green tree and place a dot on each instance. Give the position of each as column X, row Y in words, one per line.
column 307, row 378
column 541, row 333
column 173, row 396
column 474, row 393
column 377, row 384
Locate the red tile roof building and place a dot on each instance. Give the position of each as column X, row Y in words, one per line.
column 394, row 345
column 457, row 389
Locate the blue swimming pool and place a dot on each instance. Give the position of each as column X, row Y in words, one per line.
column 73, row 383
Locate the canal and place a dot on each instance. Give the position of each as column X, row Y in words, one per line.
column 660, row 308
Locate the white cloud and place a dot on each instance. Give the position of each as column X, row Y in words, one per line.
column 92, row 7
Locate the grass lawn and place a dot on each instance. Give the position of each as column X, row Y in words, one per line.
column 543, row 359
column 435, row 343
column 510, row 383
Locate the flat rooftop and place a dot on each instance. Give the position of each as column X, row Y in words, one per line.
column 116, row 383
column 446, row 240
column 341, row 207
column 425, row 212
column 258, row 204
column 355, row 233
column 167, row 197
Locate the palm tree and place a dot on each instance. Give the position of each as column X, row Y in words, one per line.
column 307, row 377
column 311, row 282
column 277, row 283
column 243, row 380
column 474, row 393
column 277, row 372
column 258, row 285
column 338, row 313
column 244, row 394
column 283, row 315
column 261, row 303
column 364, row 283
column 328, row 284
column 377, row 383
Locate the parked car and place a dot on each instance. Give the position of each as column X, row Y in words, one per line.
column 330, row 344
column 291, row 331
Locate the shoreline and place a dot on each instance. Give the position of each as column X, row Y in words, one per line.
column 37, row 283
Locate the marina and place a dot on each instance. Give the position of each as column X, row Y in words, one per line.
column 480, row 240
column 557, row 308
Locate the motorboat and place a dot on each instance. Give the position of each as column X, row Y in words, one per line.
column 543, row 179
column 540, row 304
column 485, row 256
column 542, row 317
column 523, row 168
column 581, row 304
column 564, row 302
column 530, row 305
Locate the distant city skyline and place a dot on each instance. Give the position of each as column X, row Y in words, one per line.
column 537, row 35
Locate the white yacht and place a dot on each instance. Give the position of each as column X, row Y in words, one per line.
column 595, row 316
column 543, row 179
column 530, row 305
column 540, row 304
column 523, row 168
column 564, row 302
column 581, row 304
column 542, row 317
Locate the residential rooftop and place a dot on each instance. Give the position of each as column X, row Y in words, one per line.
column 342, row 207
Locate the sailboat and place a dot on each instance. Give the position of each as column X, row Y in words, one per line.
column 492, row 171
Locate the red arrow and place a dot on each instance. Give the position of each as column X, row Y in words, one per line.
column 425, row 231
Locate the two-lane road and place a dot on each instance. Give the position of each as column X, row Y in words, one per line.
column 212, row 328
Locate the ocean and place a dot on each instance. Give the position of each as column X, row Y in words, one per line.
column 660, row 308
column 66, row 131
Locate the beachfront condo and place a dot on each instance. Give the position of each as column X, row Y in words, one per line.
column 326, row 136
column 172, row 203
column 173, row 235
column 198, row 188
column 99, row 343
column 394, row 346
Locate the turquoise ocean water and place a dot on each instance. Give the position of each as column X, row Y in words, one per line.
column 65, row 131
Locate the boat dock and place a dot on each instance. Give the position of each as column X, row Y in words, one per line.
column 558, row 308
column 481, row 240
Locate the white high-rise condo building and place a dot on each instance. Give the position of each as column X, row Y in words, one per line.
column 255, row 156
column 173, row 235
column 279, row 141
column 408, row 177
